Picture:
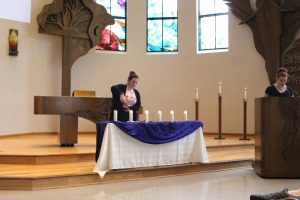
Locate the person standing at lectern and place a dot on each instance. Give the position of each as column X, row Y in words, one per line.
column 126, row 97
column 279, row 88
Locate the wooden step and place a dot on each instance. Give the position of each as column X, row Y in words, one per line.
column 36, row 161
column 32, row 177
column 42, row 148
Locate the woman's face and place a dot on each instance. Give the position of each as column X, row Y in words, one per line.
column 281, row 80
column 133, row 82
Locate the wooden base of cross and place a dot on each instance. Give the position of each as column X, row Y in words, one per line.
column 69, row 109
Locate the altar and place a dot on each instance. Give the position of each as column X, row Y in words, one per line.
column 126, row 145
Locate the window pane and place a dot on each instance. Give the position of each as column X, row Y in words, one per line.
column 118, row 8
column 170, row 35
column 114, row 37
column 154, row 35
column 206, row 7
column 154, row 8
column 170, row 8
column 220, row 6
column 222, row 31
column 104, row 3
column 207, row 33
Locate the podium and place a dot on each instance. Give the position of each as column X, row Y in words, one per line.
column 277, row 137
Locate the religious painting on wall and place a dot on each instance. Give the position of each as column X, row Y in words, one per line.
column 162, row 26
column 292, row 63
column 114, row 36
column 13, row 42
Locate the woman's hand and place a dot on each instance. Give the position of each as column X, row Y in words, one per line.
column 122, row 98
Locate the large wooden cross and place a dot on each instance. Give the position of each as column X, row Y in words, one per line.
column 80, row 23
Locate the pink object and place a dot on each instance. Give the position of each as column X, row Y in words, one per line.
column 109, row 41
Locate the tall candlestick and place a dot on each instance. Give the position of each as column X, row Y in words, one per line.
column 172, row 115
column 115, row 115
column 159, row 115
column 245, row 94
column 220, row 88
column 130, row 115
column 185, row 114
column 197, row 94
column 146, row 116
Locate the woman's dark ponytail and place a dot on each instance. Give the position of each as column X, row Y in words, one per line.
column 132, row 75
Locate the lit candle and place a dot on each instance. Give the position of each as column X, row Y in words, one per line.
column 245, row 93
column 115, row 115
column 185, row 114
column 146, row 116
column 197, row 94
column 159, row 115
column 220, row 88
column 172, row 115
column 130, row 115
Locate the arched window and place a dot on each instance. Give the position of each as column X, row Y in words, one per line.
column 212, row 25
column 162, row 26
column 114, row 37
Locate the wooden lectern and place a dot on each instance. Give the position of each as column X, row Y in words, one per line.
column 277, row 137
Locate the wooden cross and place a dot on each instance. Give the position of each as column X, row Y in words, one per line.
column 80, row 23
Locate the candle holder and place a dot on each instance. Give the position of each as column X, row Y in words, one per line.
column 197, row 109
column 245, row 101
column 220, row 137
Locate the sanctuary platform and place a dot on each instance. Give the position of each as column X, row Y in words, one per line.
column 36, row 161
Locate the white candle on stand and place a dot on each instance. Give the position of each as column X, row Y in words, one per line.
column 245, row 93
column 220, row 88
column 130, row 115
column 146, row 116
column 197, row 94
column 172, row 115
column 159, row 115
column 115, row 115
column 185, row 114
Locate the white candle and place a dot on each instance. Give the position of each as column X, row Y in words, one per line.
column 159, row 115
column 185, row 114
column 197, row 94
column 220, row 87
column 115, row 115
column 146, row 116
column 172, row 115
column 130, row 115
column 245, row 93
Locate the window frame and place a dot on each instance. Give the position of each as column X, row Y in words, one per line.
column 116, row 17
column 162, row 20
column 215, row 15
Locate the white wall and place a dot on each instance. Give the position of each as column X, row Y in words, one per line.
column 166, row 81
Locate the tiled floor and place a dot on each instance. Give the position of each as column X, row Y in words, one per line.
column 233, row 184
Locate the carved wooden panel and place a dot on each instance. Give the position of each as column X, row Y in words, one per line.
column 80, row 23
column 273, row 25
column 292, row 63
